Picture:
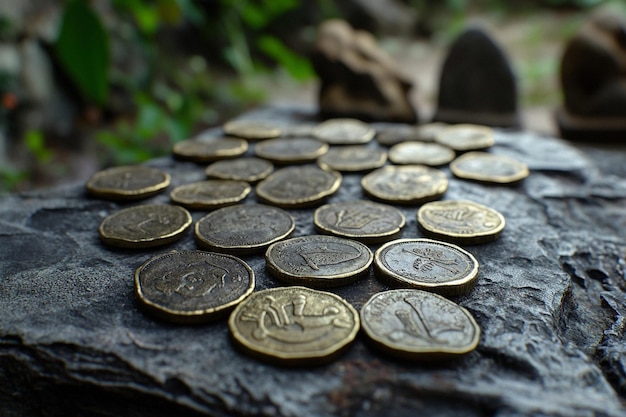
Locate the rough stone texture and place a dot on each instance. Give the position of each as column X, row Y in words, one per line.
column 550, row 301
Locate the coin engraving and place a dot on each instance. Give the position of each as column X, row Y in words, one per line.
column 127, row 182
column 353, row 158
column 407, row 184
column 210, row 194
column 486, row 167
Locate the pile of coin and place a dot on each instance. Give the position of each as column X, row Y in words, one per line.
column 302, row 322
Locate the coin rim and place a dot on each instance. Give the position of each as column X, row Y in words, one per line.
column 365, row 138
column 119, row 194
column 278, row 158
column 234, row 128
column 365, row 166
column 233, row 177
column 196, row 204
column 485, row 129
column 522, row 173
column 403, row 199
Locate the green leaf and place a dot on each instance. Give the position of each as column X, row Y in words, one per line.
column 82, row 49
column 298, row 67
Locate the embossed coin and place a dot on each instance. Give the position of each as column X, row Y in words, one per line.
column 145, row 226
column 192, row 286
column 318, row 261
column 294, row 325
column 427, row 264
column 241, row 169
column 291, row 150
column 361, row 220
column 465, row 137
column 243, row 228
column 460, row 221
column 251, row 129
column 353, row 158
column 344, row 132
column 415, row 324
column 432, row 154
column 207, row 150
column 128, row 182
column 210, row 194
column 486, row 167
column 300, row 186
column 407, row 184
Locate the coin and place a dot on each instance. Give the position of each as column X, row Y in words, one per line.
column 291, row 150
column 465, row 137
column 407, row 184
column 294, row 325
column 486, row 167
column 428, row 131
column 251, row 129
column 243, row 228
column 192, row 286
column 318, row 260
column 300, row 186
column 361, row 220
column 210, row 194
column 241, row 169
column 209, row 150
column 389, row 134
column 145, row 226
column 414, row 324
column 428, row 265
column 460, row 221
column 344, row 132
column 128, row 182
column 420, row 153
column 353, row 158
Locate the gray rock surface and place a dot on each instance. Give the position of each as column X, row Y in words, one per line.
column 550, row 302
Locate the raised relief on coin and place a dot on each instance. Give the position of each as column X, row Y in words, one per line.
column 407, row 184
column 319, row 261
column 210, row 194
column 192, row 286
column 344, row 132
column 486, row 167
column 415, row 324
column 294, row 325
column 250, row 169
column 208, row 150
column 127, row 182
column 427, row 265
column 251, row 129
column 466, row 137
column 243, row 228
column 361, row 220
column 353, row 158
column 290, row 150
column 460, row 221
column 300, row 186
column 420, row 153
column 145, row 226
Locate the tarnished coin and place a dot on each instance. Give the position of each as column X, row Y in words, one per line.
column 294, row 325
column 128, row 182
column 241, row 169
column 318, row 261
column 486, row 167
column 427, row 264
column 300, row 186
column 145, row 226
column 420, row 153
column 243, row 228
column 465, row 137
column 428, row 131
column 415, row 324
column 460, row 221
column 208, row 150
column 251, row 129
column 210, row 194
column 291, row 150
column 353, row 158
column 361, row 220
column 192, row 286
column 298, row 130
column 407, row 184
column 344, row 132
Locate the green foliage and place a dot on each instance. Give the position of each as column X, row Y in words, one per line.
column 298, row 67
column 35, row 143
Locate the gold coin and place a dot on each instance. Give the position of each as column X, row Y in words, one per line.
column 210, row 194
column 251, row 129
column 300, row 186
column 290, row 150
column 459, row 221
column 208, row 150
column 354, row 158
column 419, row 325
column 407, row 184
column 389, row 134
column 294, row 325
column 420, row 153
column 427, row 264
column 486, row 167
column 465, row 137
column 145, row 226
column 241, row 169
column 344, row 132
column 127, row 182
column 192, row 286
